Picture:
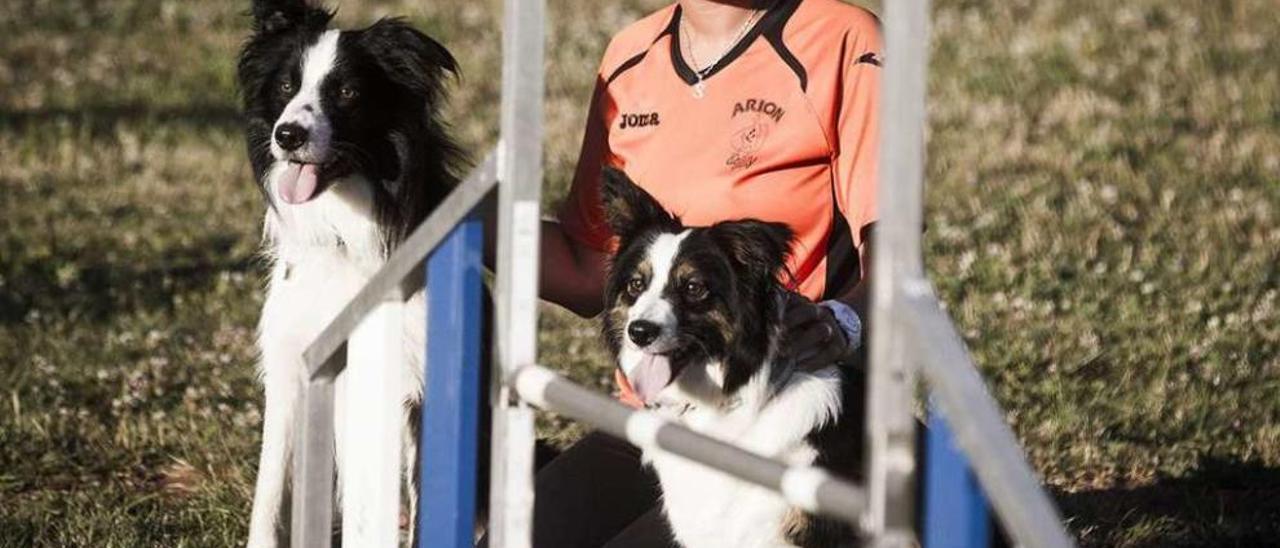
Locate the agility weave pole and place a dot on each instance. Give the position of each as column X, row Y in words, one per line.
column 516, row 287
column 912, row 330
column 450, row 421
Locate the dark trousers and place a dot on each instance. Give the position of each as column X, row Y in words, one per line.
column 597, row 494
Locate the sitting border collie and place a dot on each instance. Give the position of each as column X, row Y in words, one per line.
column 694, row 318
column 346, row 142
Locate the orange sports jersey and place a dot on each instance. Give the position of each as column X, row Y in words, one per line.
column 786, row 131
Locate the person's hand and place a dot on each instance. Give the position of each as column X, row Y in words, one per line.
column 812, row 336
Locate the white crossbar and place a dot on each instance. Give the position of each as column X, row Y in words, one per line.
column 807, row 487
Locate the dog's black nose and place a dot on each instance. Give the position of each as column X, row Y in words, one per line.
column 291, row 136
column 643, row 332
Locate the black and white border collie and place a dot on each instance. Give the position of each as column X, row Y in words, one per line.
column 346, row 142
column 694, row 316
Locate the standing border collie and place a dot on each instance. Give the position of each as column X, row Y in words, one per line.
column 346, row 142
column 694, row 318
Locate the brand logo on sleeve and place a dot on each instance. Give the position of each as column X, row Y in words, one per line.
column 638, row 120
column 870, row 58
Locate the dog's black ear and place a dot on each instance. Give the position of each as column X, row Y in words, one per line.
column 272, row 16
column 759, row 251
column 629, row 209
column 409, row 57
column 743, row 361
column 755, row 245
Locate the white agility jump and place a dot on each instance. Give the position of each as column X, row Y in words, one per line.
column 912, row 335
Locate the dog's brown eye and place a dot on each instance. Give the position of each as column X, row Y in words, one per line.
column 286, row 86
column 347, row 93
column 635, row 286
column 695, row 290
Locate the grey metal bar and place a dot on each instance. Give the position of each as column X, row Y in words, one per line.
column 519, row 223
column 312, row 514
column 909, row 326
column 406, row 260
column 805, row 486
column 890, row 421
column 980, row 430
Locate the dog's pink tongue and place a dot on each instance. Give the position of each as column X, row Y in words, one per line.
column 650, row 376
column 297, row 183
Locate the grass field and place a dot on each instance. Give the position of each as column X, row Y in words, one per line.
column 1103, row 203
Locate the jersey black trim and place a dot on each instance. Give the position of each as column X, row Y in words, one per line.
column 633, row 61
column 775, row 17
column 844, row 268
column 774, row 36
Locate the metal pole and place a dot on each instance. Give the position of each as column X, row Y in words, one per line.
column 312, row 513
column 891, row 427
column 519, row 218
column 807, row 487
column 1008, row 480
column 908, row 325
column 451, row 396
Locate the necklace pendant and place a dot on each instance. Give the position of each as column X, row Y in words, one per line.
column 699, row 90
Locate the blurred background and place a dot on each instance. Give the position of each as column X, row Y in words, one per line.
column 1104, row 186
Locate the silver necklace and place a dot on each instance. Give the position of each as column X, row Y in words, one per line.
column 700, row 86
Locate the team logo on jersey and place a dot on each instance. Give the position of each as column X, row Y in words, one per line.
column 762, row 106
column 638, row 120
column 753, row 119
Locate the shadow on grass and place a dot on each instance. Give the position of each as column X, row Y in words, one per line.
column 104, row 118
column 1221, row 503
column 96, row 290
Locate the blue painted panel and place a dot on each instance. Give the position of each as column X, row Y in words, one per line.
column 956, row 514
column 450, row 404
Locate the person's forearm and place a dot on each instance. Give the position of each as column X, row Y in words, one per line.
column 570, row 275
column 858, row 297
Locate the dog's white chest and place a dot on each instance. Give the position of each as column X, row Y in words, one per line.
column 305, row 294
column 709, row 509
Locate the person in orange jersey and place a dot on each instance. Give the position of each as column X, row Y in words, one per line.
column 722, row 110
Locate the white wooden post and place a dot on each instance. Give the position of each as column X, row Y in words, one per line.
column 372, row 428
column 519, row 218
column 891, row 427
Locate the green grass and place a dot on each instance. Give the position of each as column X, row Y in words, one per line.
column 1102, row 208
